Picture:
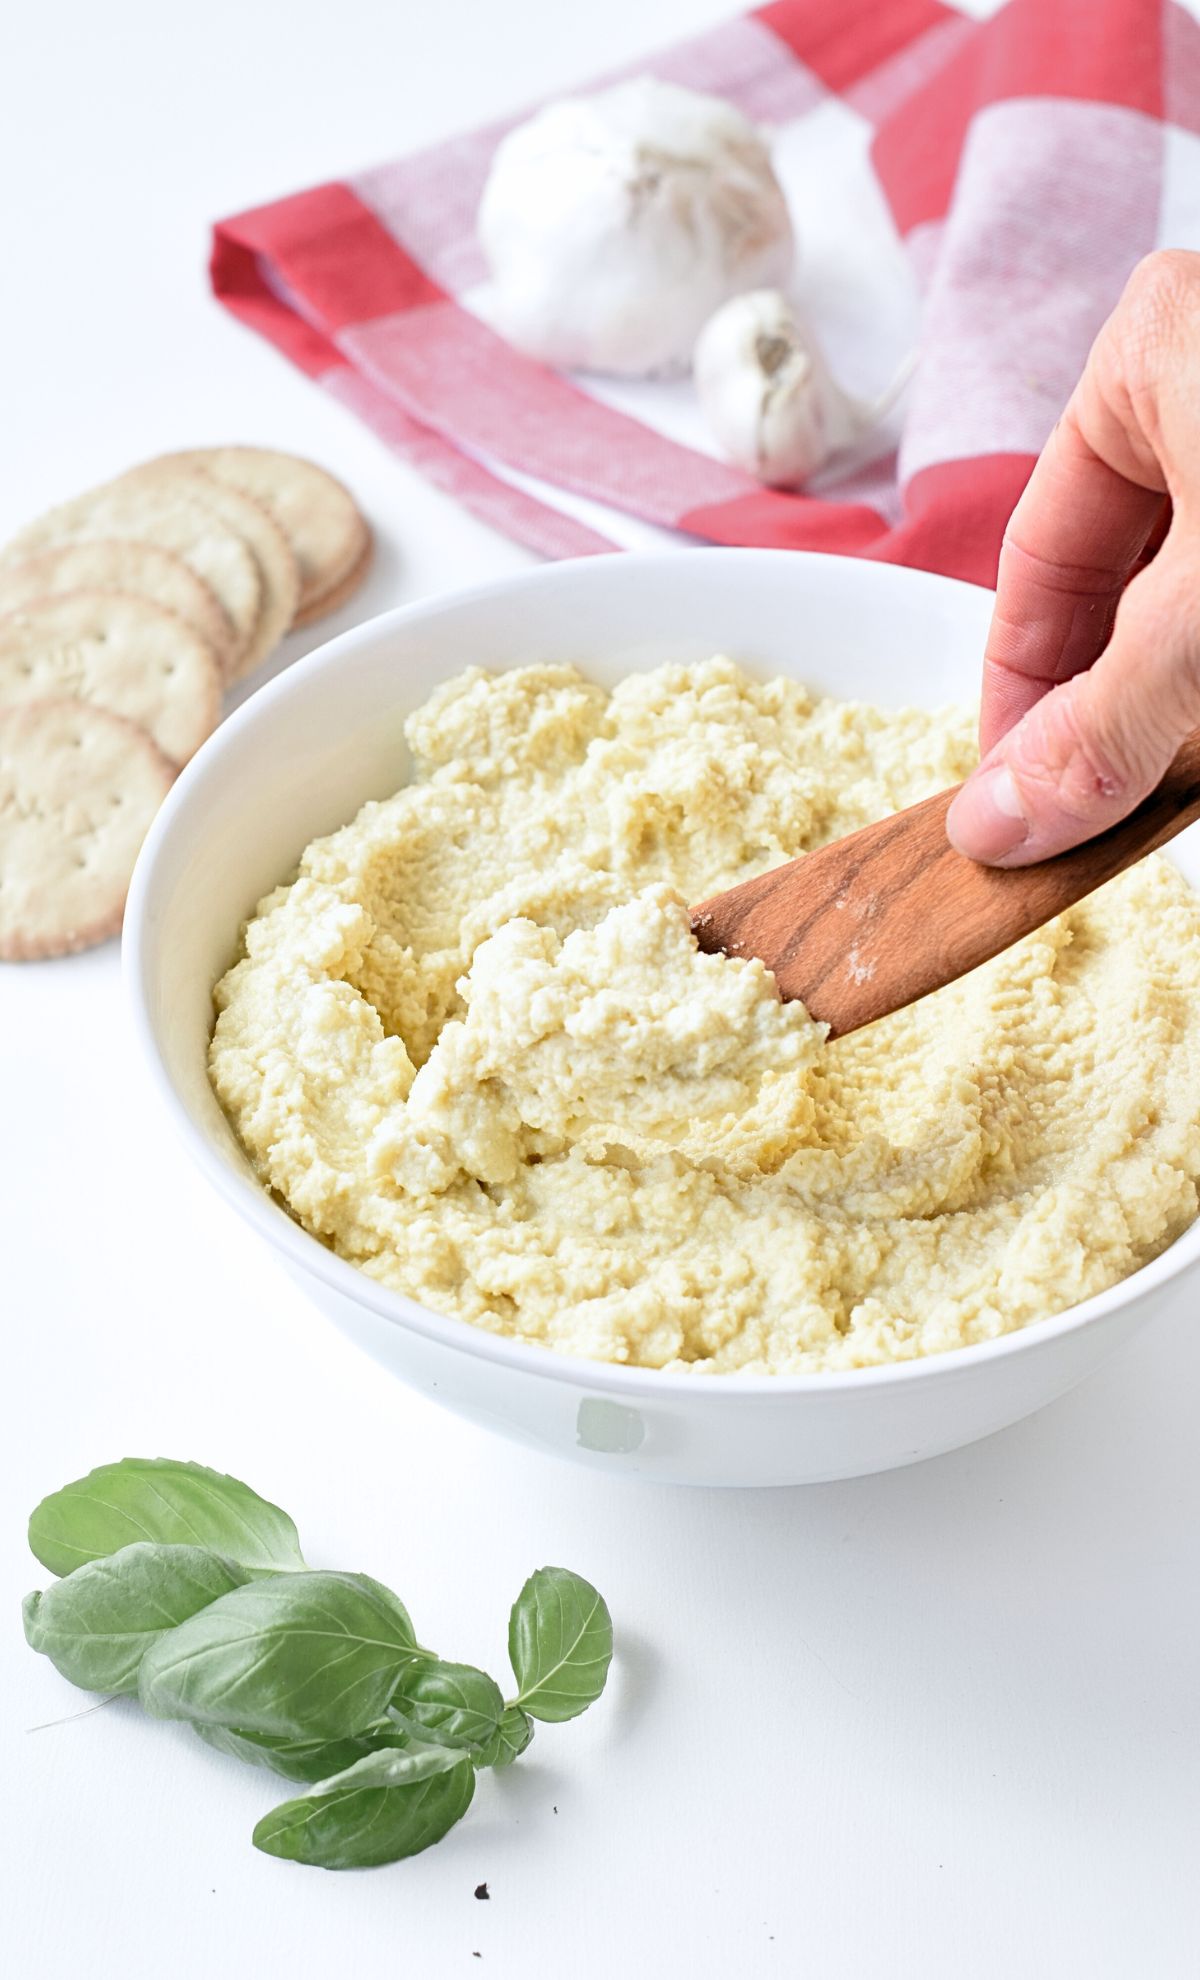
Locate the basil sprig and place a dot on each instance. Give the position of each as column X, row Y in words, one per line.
column 182, row 1585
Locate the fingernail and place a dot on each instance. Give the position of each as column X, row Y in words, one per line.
column 985, row 821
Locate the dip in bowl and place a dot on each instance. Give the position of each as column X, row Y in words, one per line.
column 300, row 760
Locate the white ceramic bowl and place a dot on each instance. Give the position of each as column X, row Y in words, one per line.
column 308, row 750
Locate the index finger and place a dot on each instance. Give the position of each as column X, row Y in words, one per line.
column 1071, row 546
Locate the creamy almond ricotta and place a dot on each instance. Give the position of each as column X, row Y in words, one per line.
column 473, row 1048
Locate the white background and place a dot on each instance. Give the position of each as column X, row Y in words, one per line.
column 936, row 1723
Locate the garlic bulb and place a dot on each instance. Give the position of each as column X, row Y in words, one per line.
column 769, row 396
column 615, row 224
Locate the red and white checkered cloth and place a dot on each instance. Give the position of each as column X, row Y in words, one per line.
column 978, row 190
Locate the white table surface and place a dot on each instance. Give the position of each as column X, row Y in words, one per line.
column 936, row 1723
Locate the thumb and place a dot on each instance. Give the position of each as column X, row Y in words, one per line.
column 1089, row 751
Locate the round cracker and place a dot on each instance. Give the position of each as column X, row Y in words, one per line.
column 122, row 565
column 78, row 789
column 330, row 601
column 121, row 652
column 320, row 518
column 163, row 513
column 261, row 533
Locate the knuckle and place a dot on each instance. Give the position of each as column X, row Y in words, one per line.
column 1159, row 617
column 1069, row 748
column 1075, row 580
column 1106, row 759
column 1160, row 304
column 1168, row 274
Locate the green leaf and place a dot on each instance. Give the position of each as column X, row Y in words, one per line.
column 180, row 1505
column 452, row 1703
column 560, row 1643
column 394, row 1767
column 509, row 1741
column 302, row 1656
column 98, row 1624
column 305, row 1760
column 354, row 1827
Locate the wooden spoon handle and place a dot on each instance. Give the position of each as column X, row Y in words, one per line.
column 876, row 920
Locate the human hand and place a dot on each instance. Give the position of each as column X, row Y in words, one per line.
column 1091, row 675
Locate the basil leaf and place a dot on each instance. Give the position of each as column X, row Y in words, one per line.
column 305, row 1760
column 356, row 1827
column 394, row 1767
column 301, row 1656
column 560, row 1643
column 180, row 1505
column 452, row 1703
column 98, row 1624
column 509, row 1741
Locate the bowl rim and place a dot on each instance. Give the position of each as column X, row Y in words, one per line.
column 306, row 1253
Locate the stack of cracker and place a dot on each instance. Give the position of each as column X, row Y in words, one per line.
column 124, row 617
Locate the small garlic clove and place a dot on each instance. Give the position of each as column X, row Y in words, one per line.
column 770, row 400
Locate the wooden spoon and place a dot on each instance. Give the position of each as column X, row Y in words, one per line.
column 876, row 920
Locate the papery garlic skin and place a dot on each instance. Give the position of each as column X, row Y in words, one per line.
column 615, row 224
column 770, row 399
